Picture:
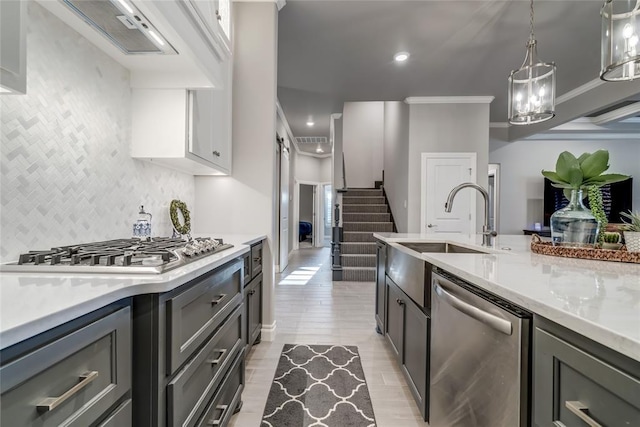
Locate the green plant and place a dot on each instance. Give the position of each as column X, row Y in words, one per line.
column 634, row 221
column 611, row 237
column 576, row 173
column 597, row 209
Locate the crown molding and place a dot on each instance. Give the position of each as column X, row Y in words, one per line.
column 449, row 99
column 580, row 90
column 279, row 3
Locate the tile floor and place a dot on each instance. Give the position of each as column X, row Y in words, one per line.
column 311, row 309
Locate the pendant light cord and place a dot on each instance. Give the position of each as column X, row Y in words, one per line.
column 531, row 36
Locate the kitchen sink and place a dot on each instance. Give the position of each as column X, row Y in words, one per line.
column 439, row 247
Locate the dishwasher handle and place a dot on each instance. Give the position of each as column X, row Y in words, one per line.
column 488, row 319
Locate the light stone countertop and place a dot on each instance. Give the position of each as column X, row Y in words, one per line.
column 31, row 303
column 597, row 299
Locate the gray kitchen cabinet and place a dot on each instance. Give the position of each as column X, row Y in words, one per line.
column 254, row 310
column 13, row 46
column 256, row 259
column 381, row 288
column 580, row 383
column 227, row 398
column 253, row 296
column 74, row 380
column 407, row 330
column 186, row 341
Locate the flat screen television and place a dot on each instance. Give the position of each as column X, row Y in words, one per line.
column 616, row 198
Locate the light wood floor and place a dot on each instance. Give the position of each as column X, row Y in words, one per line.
column 324, row 312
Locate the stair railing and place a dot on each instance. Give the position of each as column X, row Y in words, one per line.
column 337, row 232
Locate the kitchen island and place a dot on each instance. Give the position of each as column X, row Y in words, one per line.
column 581, row 349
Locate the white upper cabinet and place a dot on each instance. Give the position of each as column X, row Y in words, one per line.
column 185, row 130
column 215, row 17
column 13, row 52
column 192, row 43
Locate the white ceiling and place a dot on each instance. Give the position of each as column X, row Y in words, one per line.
column 330, row 52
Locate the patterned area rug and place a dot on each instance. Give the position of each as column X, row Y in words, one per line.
column 319, row 386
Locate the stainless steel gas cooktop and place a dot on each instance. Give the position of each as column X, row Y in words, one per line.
column 154, row 255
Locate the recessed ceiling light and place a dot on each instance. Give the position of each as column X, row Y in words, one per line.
column 401, row 56
column 310, row 123
column 319, row 150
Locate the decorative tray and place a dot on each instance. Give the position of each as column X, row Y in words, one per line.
column 547, row 248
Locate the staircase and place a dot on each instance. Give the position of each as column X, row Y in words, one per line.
column 364, row 211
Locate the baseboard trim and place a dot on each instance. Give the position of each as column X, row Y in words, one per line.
column 268, row 332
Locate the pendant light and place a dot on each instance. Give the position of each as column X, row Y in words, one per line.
column 620, row 43
column 532, row 87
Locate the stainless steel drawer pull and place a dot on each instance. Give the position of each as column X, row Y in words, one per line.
column 218, row 300
column 51, row 403
column 252, row 291
column 580, row 410
column 217, row 422
column 495, row 322
column 217, row 361
column 259, row 259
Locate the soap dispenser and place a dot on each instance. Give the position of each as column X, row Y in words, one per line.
column 142, row 227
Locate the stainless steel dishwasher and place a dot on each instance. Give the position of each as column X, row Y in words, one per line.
column 479, row 357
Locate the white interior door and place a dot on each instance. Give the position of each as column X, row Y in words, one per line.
column 284, row 210
column 440, row 173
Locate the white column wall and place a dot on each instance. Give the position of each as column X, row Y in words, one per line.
column 246, row 201
column 396, row 161
column 522, row 184
column 437, row 128
column 362, row 142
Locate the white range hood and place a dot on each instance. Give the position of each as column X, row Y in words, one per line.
column 160, row 42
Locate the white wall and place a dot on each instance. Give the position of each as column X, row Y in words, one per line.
column 396, row 161
column 362, row 142
column 522, row 184
column 66, row 175
column 435, row 128
column 309, row 168
column 246, row 202
column 325, row 169
column 306, row 203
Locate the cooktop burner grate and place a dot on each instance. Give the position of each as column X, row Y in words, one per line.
column 154, row 255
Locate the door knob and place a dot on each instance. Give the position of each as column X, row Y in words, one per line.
column 431, row 225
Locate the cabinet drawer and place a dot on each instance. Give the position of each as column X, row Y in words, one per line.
column 256, row 259
column 121, row 417
column 195, row 313
column 246, row 258
column 567, row 378
column 196, row 382
column 72, row 381
column 223, row 405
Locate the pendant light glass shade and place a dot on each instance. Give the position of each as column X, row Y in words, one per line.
column 532, row 87
column 532, row 90
column 620, row 40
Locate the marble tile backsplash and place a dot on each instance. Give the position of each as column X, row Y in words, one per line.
column 65, row 171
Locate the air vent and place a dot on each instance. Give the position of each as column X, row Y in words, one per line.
column 129, row 31
column 312, row 140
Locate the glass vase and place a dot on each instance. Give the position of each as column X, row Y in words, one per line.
column 574, row 225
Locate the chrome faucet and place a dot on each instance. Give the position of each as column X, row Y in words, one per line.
column 487, row 235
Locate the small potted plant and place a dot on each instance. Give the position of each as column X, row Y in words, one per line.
column 631, row 230
column 575, row 225
column 611, row 240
